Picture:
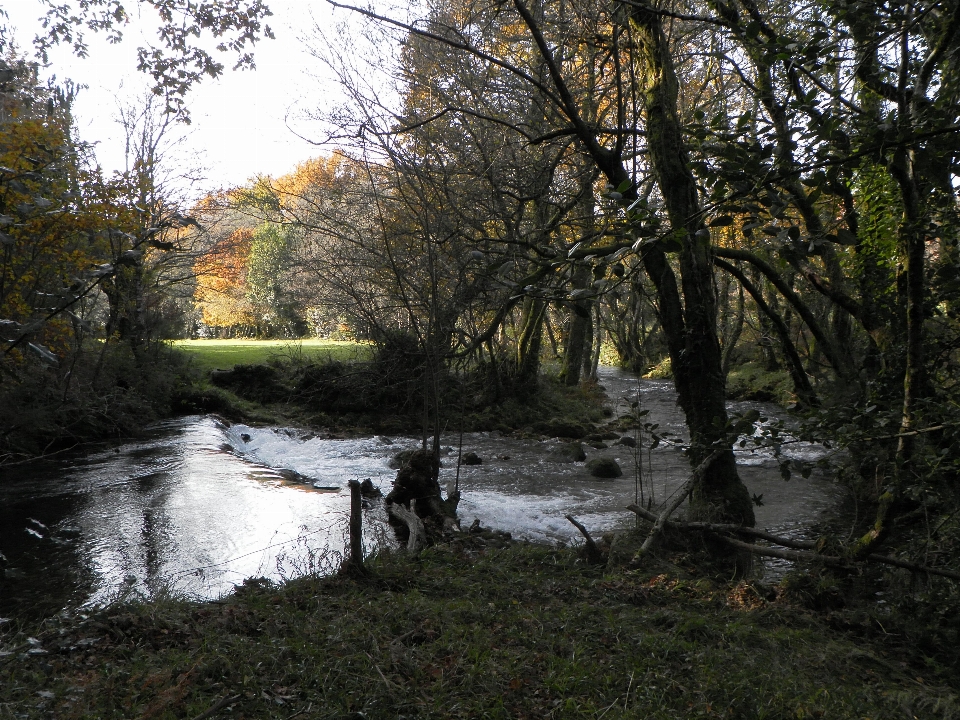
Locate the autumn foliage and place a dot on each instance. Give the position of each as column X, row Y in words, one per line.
column 221, row 273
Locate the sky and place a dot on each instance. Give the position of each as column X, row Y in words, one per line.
column 241, row 123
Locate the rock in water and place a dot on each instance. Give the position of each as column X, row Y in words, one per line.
column 569, row 452
column 471, row 458
column 556, row 427
column 604, row 468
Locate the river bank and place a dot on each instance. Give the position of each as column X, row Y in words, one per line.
column 468, row 631
column 199, row 504
column 475, row 628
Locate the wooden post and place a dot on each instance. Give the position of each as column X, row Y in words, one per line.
column 356, row 527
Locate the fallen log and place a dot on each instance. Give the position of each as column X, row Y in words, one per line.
column 799, row 550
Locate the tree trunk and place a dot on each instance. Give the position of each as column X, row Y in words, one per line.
column 735, row 331
column 690, row 325
column 577, row 334
column 416, row 488
column 530, row 341
column 124, row 291
column 801, row 383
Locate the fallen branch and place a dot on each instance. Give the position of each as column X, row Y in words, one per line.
column 721, row 528
column 594, row 556
column 796, row 555
column 222, row 703
column 418, row 533
column 682, row 494
column 801, row 550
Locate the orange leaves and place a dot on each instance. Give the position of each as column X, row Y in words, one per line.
column 222, row 280
column 321, row 174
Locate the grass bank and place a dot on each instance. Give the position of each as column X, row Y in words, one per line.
column 467, row 631
column 352, row 388
column 207, row 355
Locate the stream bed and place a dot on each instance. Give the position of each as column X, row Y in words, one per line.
column 198, row 505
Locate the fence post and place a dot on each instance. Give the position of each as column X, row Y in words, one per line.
column 356, row 527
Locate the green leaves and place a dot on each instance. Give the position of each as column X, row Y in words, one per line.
column 176, row 60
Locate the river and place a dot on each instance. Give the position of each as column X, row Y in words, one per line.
column 197, row 505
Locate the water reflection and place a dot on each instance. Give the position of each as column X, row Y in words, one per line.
column 199, row 506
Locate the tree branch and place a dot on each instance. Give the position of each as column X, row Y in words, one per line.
column 802, row 551
column 682, row 494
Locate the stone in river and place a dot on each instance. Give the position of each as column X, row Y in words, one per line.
column 604, row 468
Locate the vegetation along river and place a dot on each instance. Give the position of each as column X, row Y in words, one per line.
column 198, row 505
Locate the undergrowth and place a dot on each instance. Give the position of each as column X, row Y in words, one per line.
column 751, row 381
column 467, row 632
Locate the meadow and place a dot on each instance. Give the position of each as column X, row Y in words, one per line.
column 208, row 355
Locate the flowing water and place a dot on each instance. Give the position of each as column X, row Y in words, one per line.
column 198, row 505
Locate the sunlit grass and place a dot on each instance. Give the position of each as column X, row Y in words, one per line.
column 210, row 354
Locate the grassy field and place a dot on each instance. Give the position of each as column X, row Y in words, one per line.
column 210, row 354
column 467, row 631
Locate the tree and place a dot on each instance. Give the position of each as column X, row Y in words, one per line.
column 66, row 233
column 51, row 234
column 271, row 282
column 155, row 252
column 221, row 290
column 687, row 309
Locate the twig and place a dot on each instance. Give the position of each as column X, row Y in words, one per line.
column 220, row 704
column 682, row 494
column 593, row 552
column 300, row 712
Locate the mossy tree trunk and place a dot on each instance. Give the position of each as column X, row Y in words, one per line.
column 530, row 341
column 690, row 322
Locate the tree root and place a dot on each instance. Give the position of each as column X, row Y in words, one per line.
column 408, row 516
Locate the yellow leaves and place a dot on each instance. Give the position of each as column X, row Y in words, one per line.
column 221, row 292
column 57, row 220
column 317, row 174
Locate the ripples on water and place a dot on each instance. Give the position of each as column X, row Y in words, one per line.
column 199, row 506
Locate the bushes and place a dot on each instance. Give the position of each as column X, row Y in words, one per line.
column 99, row 392
column 751, row 381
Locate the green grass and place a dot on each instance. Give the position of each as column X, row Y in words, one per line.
column 465, row 631
column 210, row 354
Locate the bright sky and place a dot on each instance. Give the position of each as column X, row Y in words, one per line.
column 241, row 122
